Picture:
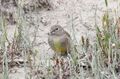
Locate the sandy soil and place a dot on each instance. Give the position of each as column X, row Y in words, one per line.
column 83, row 13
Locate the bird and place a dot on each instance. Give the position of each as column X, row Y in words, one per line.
column 59, row 40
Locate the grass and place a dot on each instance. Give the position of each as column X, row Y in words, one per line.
column 96, row 61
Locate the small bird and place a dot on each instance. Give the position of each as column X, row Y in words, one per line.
column 59, row 40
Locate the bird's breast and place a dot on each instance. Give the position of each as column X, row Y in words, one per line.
column 58, row 45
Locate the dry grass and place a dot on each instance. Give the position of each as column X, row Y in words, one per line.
column 99, row 60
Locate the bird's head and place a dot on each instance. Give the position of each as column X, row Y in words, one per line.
column 56, row 30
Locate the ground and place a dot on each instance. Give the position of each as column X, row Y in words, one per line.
column 35, row 19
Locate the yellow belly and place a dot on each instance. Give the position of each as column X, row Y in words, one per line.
column 58, row 46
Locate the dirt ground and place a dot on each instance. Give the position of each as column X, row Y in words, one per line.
column 84, row 15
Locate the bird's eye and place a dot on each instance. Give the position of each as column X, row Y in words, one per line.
column 56, row 29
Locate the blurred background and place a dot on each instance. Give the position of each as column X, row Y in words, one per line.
column 94, row 26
